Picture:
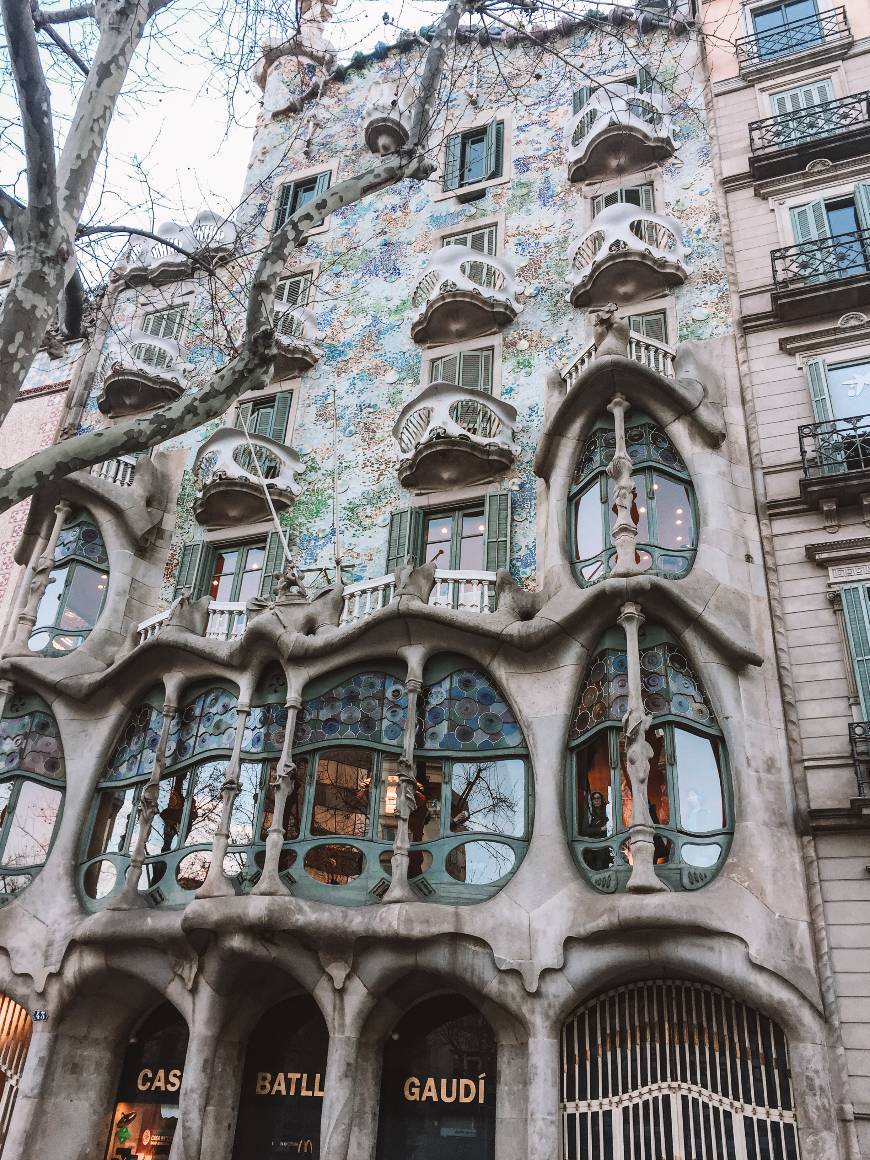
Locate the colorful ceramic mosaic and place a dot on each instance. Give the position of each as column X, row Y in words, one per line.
column 30, row 742
column 264, row 729
column 82, row 539
column 206, row 724
column 368, row 706
column 670, row 688
column 465, row 711
column 134, row 754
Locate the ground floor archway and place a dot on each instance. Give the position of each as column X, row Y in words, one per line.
column 16, row 1028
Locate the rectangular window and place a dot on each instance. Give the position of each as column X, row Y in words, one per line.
column 856, row 612
column 802, row 97
column 785, row 28
column 471, row 369
column 800, row 116
column 266, row 416
column 485, row 240
column 651, row 325
column 296, row 194
column 474, row 537
column 639, row 195
column 474, row 156
column 290, row 292
column 236, row 572
column 167, row 323
column 844, row 219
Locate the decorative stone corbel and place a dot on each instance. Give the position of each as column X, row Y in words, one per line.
column 830, row 515
column 216, row 884
column 406, row 790
column 624, row 530
column 610, row 332
column 638, row 751
column 285, row 781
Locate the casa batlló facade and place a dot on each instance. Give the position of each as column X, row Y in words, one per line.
column 483, row 844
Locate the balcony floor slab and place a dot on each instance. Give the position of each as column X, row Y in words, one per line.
column 444, row 463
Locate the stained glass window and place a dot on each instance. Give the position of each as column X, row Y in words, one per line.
column 465, row 711
column 264, row 729
column 368, row 706
column 207, row 723
column 133, row 755
column 76, row 590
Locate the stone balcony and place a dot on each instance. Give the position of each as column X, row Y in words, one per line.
column 386, row 116
column 785, row 49
column 238, row 477
column 649, row 352
column 835, row 456
column 139, row 376
column 210, row 239
column 463, row 294
column 296, row 338
column 617, row 131
column 626, row 255
column 450, row 436
column 120, row 470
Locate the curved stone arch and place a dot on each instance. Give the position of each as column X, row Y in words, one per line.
column 688, row 767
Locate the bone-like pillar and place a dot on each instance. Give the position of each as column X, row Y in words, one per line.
column 41, row 573
column 624, row 530
column 638, row 751
column 216, row 883
column 285, row 780
column 406, row 797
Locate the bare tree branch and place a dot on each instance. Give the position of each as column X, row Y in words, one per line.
column 11, row 211
column 65, row 15
column 65, row 48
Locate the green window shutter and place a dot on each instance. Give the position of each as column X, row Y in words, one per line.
column 323, row 183
column 810, row 222
column 820, row 395
column 404, row 537
column 452, row 162
column 580, row 97
column 190, row 569
column 285, row 197
column 498, row 531
column 293, row 291
column 645, row 81
column 243, row 416
column 444, row 369
column 476, row 370
column 273, row 565
column 653, row 325
column 279, row 416
column 862, row 205
column 855, row 610
column 494, row 150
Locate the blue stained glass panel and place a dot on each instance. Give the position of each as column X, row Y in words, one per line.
column 134, row 753
column 204, row 724
column 465, row 711
column 365, row 707
column 264, row 729
column 30, row 743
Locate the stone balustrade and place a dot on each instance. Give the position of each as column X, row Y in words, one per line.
column 464, row 294
column 463, row 590
column 120, row 470
column 626, row 255
column 226, row 619
column 658, row 356
column 449, row 435
column 236, row 471
column 139, row 374
column 617, row 131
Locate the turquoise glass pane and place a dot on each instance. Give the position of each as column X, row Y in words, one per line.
column 368, row 706
column 31, row 743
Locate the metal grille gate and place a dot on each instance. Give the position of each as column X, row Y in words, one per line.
column 15, row 1031
column 672, row 1070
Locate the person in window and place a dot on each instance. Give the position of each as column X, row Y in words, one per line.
column 597, row 825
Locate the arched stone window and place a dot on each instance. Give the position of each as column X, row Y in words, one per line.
column 664, row 510
column 674, row 1068
column 146, row 1112
column 32, row 777
column 76, row 591
column 438, row 1084
column 16, row 1028
column 469, row 828
column 178, row 847
column 688, row 790
column 282, row 1086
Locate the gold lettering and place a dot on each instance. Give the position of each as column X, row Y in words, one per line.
column 480, row 1088
column 143, row 1080
column 159, row 1084
column 280, row 1087
column 430, row 1092
column 318, row 1090
column 293, row 1076
column 264, row 1083
column 445, row 1098
column 412, row 1089
column 306, row 1090
column 173, row 1081
column 467, row 1091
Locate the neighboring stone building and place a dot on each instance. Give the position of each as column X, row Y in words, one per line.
column 792, row 133
column 473, row 831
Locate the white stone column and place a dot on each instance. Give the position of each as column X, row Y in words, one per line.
column 40, row 577
column 624, row 530
column 285, row 780
column 406, row 791
column 339, row 1087
column 216, row 883
column 543, row 1091
column 638, row 751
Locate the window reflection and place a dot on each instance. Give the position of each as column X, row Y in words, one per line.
column 29, row 835
column 700, row 783
column 342, row 793
column 488, row 796
column 76, row 590
column 480, row 863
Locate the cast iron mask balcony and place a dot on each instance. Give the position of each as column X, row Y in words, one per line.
column 453, row 437
column 617, row 130
column 234, row 474
column 387, row 116
column 210, row 238
column 626, row 255
column 829, row 29
column 296, row 338
column 463, row 294
column 823, row 276
column 859, row 741
column 835, row 130
column 146, row 374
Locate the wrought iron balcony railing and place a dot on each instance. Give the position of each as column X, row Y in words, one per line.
column 820, row 122
column 764, row 47
column 859, row 740
column 835, row 447
column 822, row 260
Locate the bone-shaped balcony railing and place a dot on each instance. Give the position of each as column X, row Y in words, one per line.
column 446, row 411
column 296, row 324
column 617, row 106
column 462, row 268
column 621, row 235
column 145, row 354
column 387, row 117
column 658, row 356
column 208, row 233
column 228, row 455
